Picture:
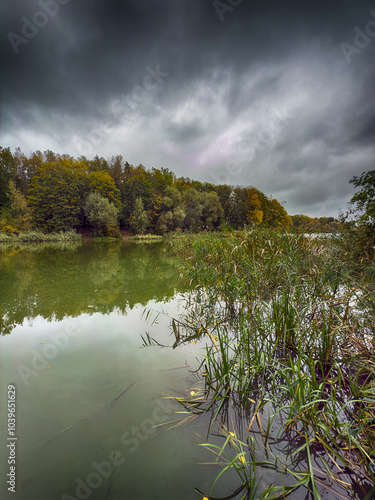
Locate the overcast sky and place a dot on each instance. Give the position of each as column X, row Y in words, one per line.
column 273, row 94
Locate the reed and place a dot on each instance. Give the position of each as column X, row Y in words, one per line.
column 145, row 237
column 288, row 358
column 35, row 236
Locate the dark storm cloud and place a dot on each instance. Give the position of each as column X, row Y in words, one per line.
column 268, row 87
column 104, row 46
column 183, row 133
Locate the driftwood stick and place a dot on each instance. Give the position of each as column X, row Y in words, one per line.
column 111, row 404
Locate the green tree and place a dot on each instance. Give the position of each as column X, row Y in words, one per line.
column 358, row 235
column 101, row 182
column 212, row 210
column 116, row 170
column 26, row 169
column 7, row 173
column 363, row 202
column 98, row 164
column 172, row 214
column 237, row 209
column 20, row 213
column 139, row 218
column 193, row 208
column 161, row 179
column 57, row 193
column 178, row 217
column 224, row 193
column 136, row 184
column 102, row 214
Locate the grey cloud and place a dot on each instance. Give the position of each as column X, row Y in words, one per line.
column 227, row 82
column 184, row 133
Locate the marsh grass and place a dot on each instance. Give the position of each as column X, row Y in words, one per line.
column 145, row 237
column 38, row 236
column 36, row 241
column 288, row 361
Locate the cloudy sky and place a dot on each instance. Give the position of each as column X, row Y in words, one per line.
column 273, row 94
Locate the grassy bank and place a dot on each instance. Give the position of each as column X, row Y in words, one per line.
column 287, row 326
column 36, row 236
column 145, row 237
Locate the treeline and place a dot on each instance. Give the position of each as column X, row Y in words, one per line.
column 55, row 192
column 307, row 224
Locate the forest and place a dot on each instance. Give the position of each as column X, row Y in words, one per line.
column 52, row 192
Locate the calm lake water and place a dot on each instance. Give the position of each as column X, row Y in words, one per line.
column 88, row 395
column 91, row 420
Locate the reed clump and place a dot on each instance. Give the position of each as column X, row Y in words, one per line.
column 145, row 237
column 288, row 362
column 36, row 236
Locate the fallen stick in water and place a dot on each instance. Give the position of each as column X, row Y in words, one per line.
column 111, row 404
column 176, row 368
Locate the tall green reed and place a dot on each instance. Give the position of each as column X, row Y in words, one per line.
column 287, row 328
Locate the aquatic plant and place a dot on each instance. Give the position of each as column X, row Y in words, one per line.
column 39, row 236
column 288, row 360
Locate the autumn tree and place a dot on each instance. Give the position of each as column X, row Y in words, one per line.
column 154, row 209
column 302, row 223
column 57, row 185
column 183, row 183
column 278, row 216
column 101, row 182
column 50, row 156
column 254, row 212
column 20, row 212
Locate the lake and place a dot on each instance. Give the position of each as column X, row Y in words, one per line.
column 90, row 417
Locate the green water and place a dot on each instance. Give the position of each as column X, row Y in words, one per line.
column 72, row 324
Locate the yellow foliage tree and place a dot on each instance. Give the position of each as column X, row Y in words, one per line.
column 278, row 216
column 254, row 212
